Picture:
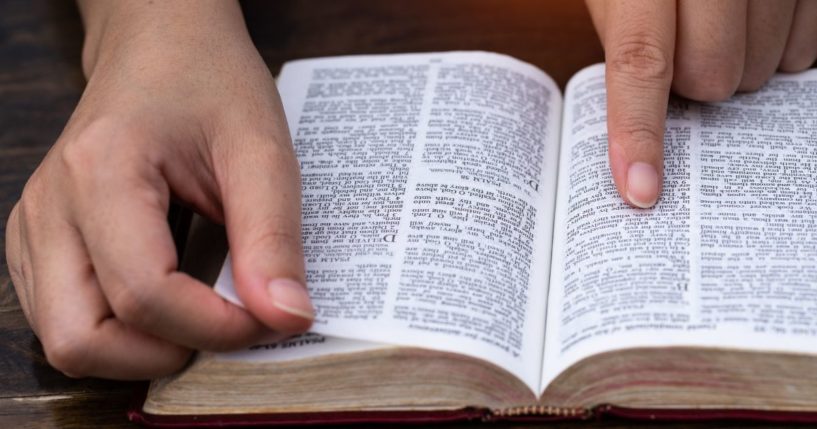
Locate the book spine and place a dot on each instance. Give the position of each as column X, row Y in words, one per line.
column 539, row 411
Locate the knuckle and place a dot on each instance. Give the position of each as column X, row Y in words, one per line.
column 269, row 242
column 13, row 216
column 639, row 131
column 98, row 145
column 27, row 206
column 278, row 235
column 78, row 157
column 641, row 56
column 30, row 208
column 30, row 199
column 68, row 352
column 708, row 73
column 706, row 87
column 132, row 305
column 280, row 143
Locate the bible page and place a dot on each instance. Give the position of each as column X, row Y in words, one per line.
column 428, row 196
column 725, row 259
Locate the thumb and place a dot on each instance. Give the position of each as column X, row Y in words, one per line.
column 639, row 46
column 260, row 187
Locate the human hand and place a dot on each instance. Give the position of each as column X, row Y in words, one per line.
column 703, row 50
column 178, row 103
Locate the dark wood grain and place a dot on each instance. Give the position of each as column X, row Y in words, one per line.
column 556, row 36
column 41, row 81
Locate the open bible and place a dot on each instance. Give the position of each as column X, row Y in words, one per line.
column 469, row 258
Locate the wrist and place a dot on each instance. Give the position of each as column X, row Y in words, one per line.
column 129, row 28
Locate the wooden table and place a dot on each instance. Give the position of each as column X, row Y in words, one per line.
column 41, row 81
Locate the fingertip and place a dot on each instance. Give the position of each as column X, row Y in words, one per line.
column 638, row 182
column 292, row 298
column 281, row 304
column 643, row 185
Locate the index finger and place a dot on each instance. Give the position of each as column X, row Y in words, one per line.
column 639, row 43
column 132, row 251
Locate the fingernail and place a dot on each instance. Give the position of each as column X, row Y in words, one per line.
column 642, row 185
column 290, row 296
